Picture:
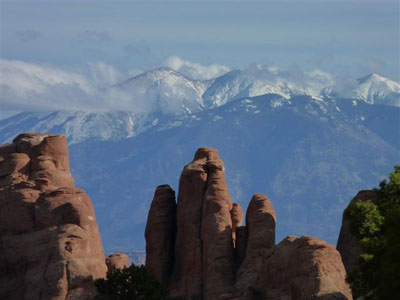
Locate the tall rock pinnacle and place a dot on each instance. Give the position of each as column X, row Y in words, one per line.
column 215, row 258
column 160, row 234
column 187, row 271
column 216, row 232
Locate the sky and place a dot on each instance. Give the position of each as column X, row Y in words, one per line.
column 123, row 38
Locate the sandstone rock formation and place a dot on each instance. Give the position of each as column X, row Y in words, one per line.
column 50, row 247
column 117, row 261
column 160, row 234
column 216, row 258
column 347, row 244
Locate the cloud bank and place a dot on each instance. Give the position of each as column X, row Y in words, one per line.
column 34, row 87
column 97, row 86
column 38, row 87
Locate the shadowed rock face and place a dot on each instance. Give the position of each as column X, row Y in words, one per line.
column 347, row 244
column 50, row 247
column 217, row 258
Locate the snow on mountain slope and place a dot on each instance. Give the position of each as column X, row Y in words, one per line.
column 78, row 126
column 373, row 89
column 376, row 89
column 165, row 90
column 261, row 80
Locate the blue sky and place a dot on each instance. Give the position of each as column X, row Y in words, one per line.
column 352, row 38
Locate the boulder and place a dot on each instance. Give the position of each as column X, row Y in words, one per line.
column 302, row 269
column 117, row 261
column 49, row 241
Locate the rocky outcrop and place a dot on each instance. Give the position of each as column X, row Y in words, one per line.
column 302, row 269
column 117, row 261
column 217, row 258
column 50, row 247
column 347, row 244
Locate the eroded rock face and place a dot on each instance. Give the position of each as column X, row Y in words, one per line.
column 215, row 258
column 347, row 244
column 50, row 247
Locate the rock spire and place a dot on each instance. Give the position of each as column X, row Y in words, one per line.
column 209, row 255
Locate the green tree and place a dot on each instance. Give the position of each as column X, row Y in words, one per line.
column 132, row 283
column 376, row 225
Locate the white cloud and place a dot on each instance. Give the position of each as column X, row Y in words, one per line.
column 28, row 86
column 23, row 78
column 34, row 87
column 195, row 70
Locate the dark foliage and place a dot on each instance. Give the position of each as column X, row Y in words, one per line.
column 376, row 225
column 132, row 283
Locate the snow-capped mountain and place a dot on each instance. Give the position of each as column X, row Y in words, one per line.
column 166, row 91
column 259, row 81
column 158, row 95
column 376, row 89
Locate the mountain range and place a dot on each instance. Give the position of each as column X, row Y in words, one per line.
column 306, row 142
